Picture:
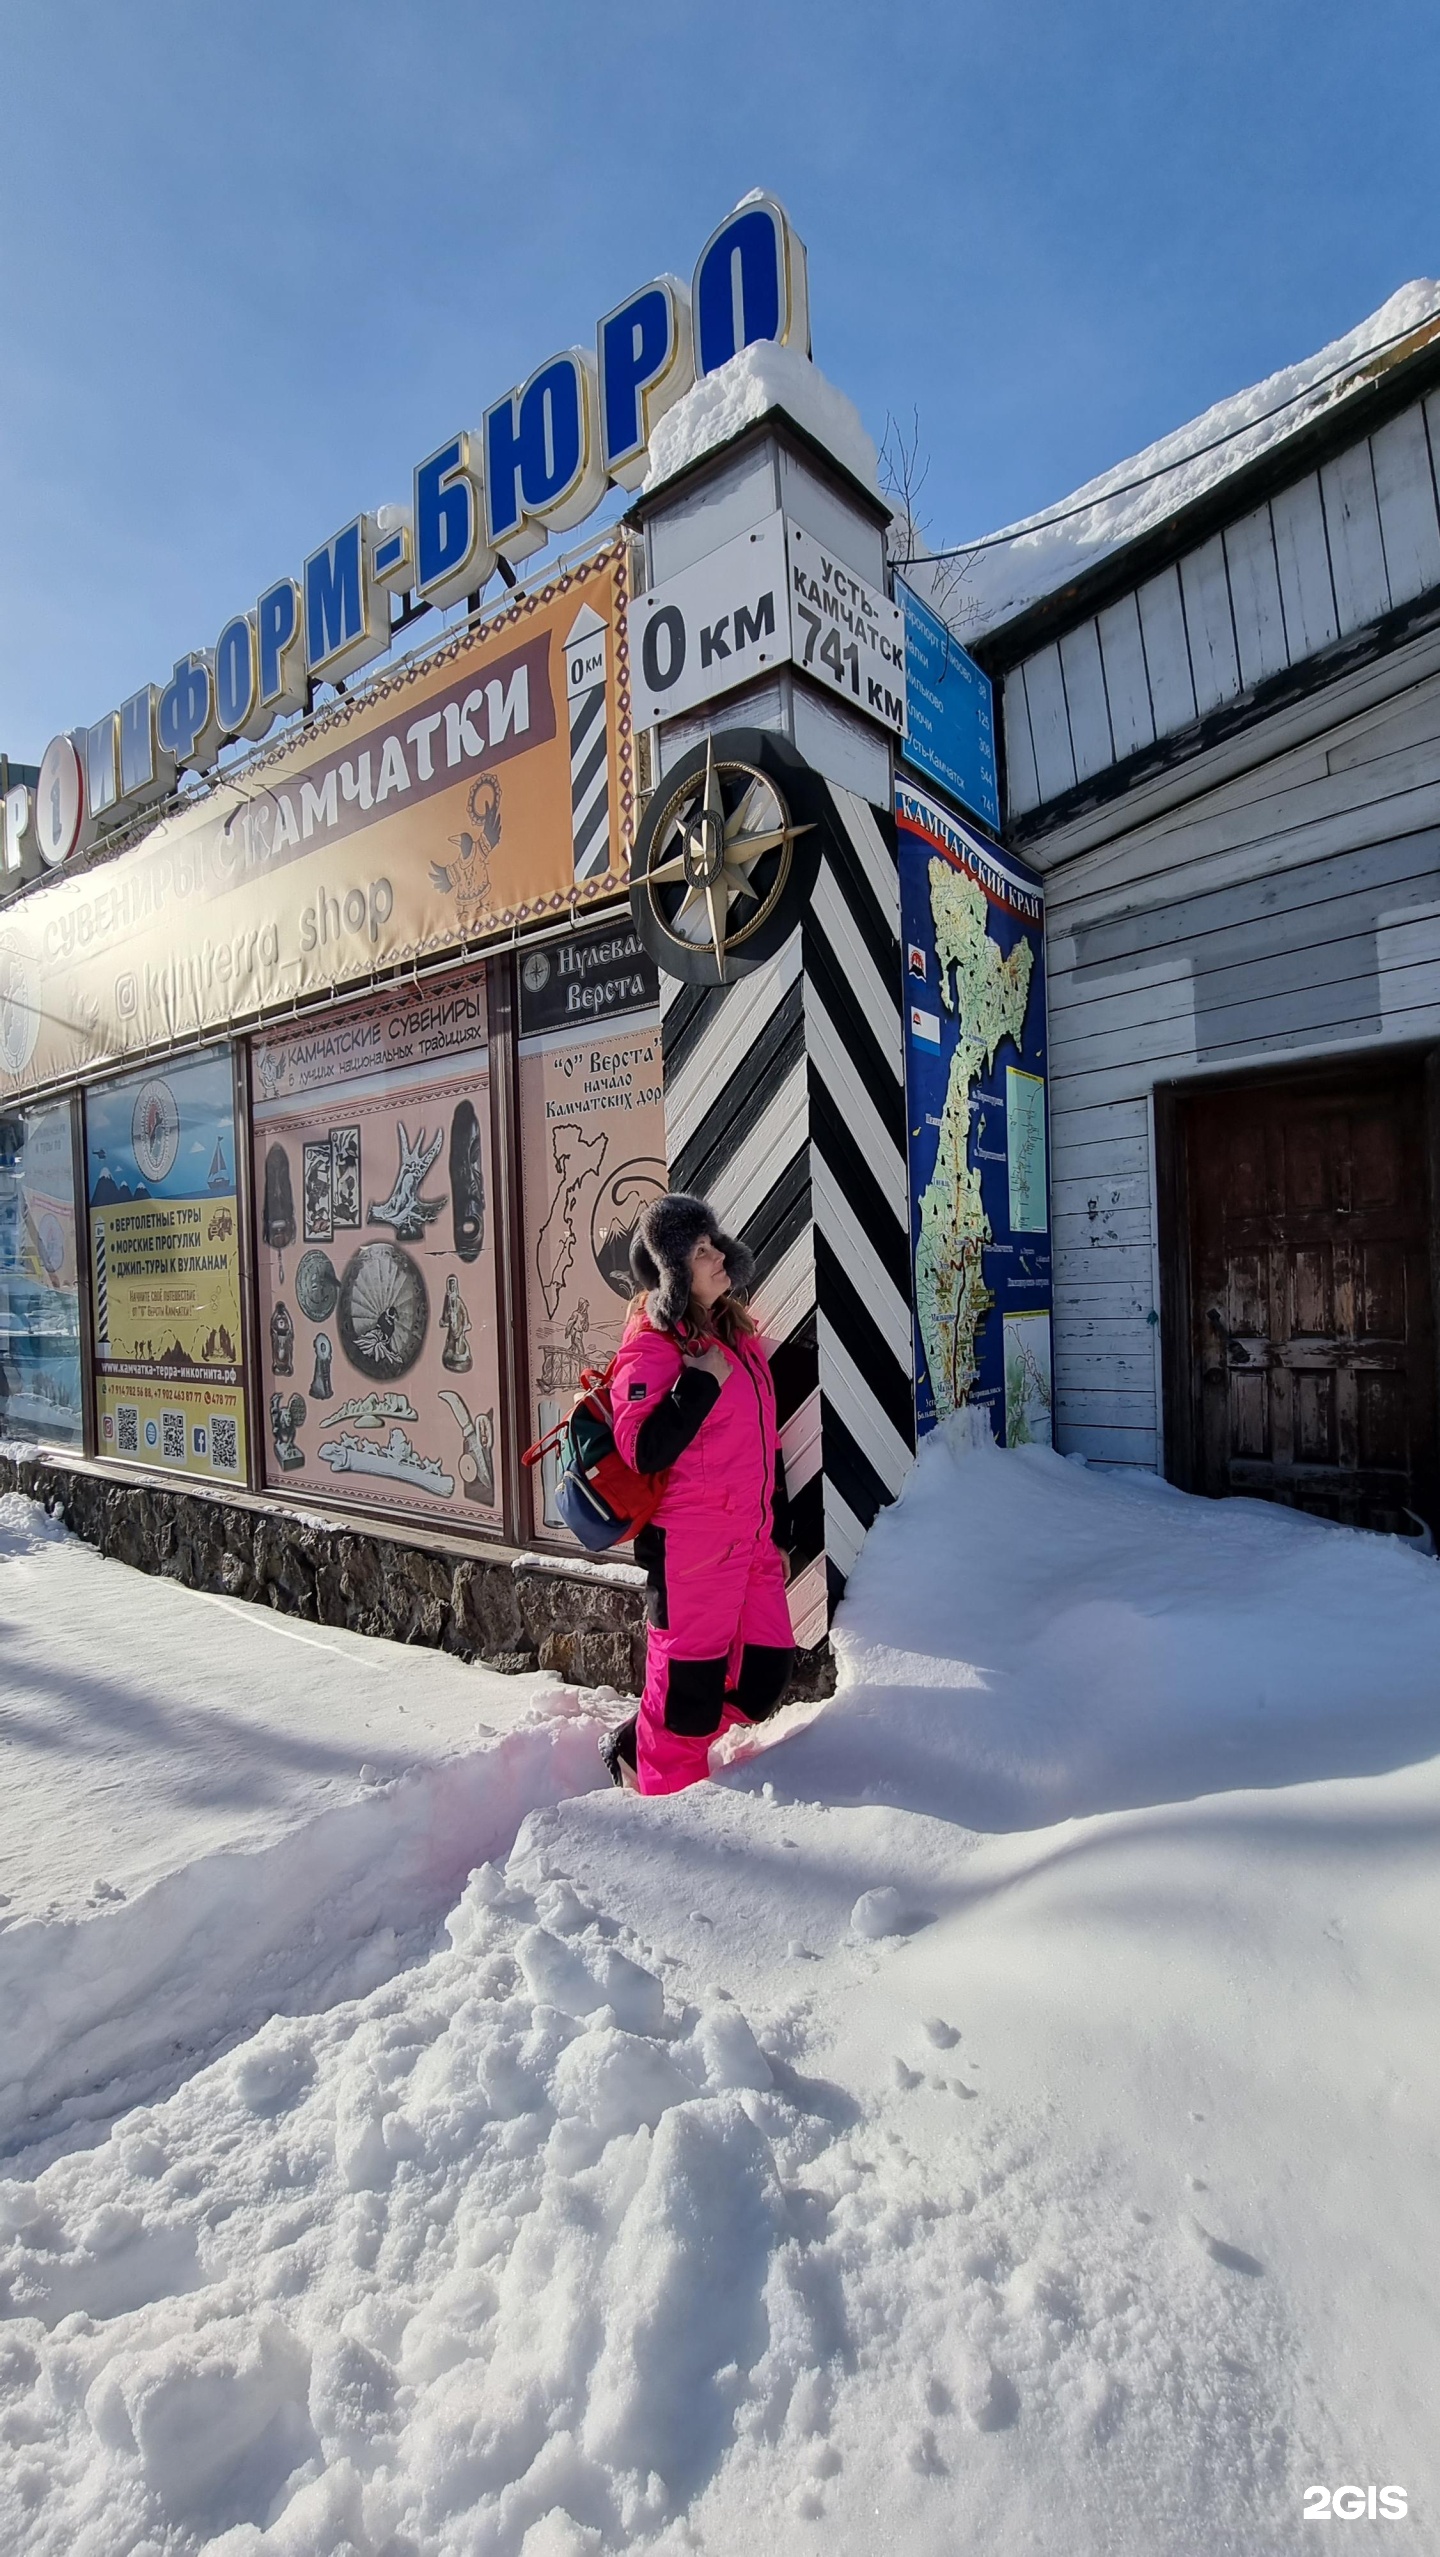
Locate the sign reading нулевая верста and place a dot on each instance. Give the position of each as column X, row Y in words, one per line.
column 773, row 596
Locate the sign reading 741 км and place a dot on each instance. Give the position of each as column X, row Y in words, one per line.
column 773, row 594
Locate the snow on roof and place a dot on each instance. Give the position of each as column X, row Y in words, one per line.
column 1019, row 565
column 761, row 378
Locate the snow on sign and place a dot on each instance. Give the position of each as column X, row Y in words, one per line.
column 772, row 595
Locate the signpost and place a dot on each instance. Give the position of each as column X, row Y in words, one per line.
column 773, row 596
column 950, row 718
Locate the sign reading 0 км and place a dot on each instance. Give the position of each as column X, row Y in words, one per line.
column 489, row 786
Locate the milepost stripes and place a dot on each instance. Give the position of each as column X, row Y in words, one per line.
column 586, row 668
column 784, row 1104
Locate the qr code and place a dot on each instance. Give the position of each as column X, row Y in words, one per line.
column 127, row 1429
column 224, row 1453
column 172, row 1429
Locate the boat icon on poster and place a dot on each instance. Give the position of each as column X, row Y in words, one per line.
column 398, row 1461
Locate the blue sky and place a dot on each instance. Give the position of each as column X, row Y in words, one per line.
column 256, row 262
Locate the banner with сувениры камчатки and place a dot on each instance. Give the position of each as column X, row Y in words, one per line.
column 486, row 787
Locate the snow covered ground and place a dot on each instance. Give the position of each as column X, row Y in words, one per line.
column 1000, row 2115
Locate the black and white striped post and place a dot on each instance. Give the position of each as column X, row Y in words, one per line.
column 586, row 668
column 784, row 1087
column 102, row 1290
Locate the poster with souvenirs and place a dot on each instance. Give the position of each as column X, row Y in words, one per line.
column 592, row 1140
column 375, row 1253
column 165, row 1267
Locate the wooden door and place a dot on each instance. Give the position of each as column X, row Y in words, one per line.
column 1311, row 1329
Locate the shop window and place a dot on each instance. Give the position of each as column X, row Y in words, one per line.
column 592, row 1146
column 165, row 1267
column 375, row 1252
column 40, row 1377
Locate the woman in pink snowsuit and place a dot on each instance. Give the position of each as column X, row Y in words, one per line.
column 692, row 1397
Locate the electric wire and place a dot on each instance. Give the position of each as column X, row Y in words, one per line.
column 1066, row 514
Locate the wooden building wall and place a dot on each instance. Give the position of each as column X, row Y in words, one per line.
column 1279, row 900
column 1343, row 548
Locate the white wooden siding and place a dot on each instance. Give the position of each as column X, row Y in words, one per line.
column 1289, row 913
column 1302, row 551
column 1325, row 558
column 1132, row 716
column 1255, row 592
column 1085, row 702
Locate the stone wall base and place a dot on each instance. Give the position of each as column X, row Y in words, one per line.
column 511, row 1612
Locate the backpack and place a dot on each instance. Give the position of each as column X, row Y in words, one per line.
column 601, row 1499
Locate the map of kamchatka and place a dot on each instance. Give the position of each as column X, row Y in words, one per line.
column 987, row 991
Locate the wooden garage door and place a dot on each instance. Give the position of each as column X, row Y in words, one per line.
column 1311, row 1314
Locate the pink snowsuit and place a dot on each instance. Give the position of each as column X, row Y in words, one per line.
column 720, row 1643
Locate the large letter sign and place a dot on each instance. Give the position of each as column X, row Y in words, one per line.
column 542, row 459
column 538, row 464
column 647, row 363
column 452, row 558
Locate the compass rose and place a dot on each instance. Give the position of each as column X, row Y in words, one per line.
column 721, row 852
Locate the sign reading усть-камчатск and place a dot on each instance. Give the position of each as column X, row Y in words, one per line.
column 772, row 596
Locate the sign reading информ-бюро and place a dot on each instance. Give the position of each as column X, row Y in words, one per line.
column 538, row 464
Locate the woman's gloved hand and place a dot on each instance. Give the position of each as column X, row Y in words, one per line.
column 709, row 1362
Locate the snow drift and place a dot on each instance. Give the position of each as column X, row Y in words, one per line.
column 1005, row 2105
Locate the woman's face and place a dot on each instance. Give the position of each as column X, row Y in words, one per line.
column 709, row 1278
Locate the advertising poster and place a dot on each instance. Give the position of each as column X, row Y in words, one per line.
column 165, row 1267
column 949, row 713
column 491, row 784
column 972, row 921
column 592, row 1136
column 375, row 1254
column 40, row 1378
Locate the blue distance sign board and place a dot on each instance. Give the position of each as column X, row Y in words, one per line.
column 972, row 923
column 950, row 715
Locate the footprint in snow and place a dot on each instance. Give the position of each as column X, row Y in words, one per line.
column 1220, row 2251
column 925, row 2455
column 943, row 2035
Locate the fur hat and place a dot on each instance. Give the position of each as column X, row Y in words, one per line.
column 666, row 1233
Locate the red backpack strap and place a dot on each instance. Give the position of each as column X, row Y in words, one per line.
column 542, row 1446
